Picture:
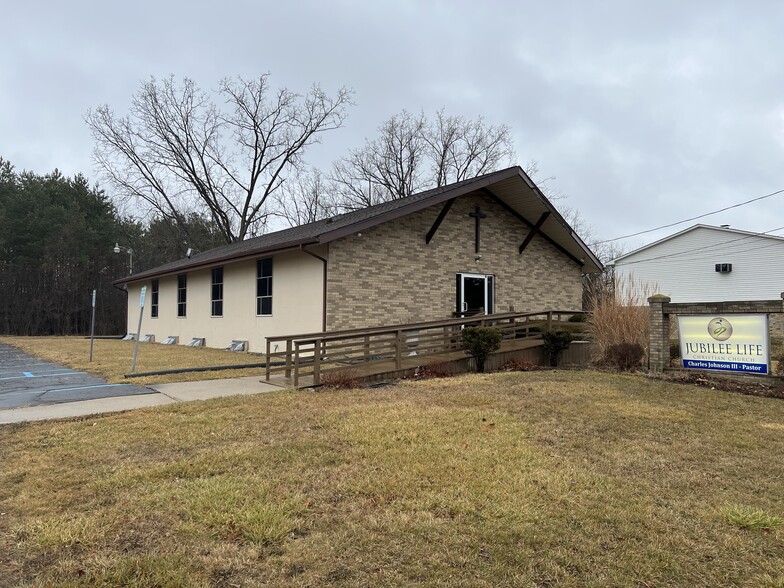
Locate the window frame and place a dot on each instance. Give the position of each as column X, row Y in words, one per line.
column 182, row 295
column 216, row 302
column 154, row 298
column 264, row 284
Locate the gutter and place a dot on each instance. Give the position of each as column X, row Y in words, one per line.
column 214, row 262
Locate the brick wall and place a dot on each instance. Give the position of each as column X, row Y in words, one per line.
column 659, row 333
column 388, row 275
column 730, row 307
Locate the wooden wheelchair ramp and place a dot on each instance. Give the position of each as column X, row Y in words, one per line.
column 390, row 352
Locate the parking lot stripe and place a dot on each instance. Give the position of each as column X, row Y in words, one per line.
column 86, row 387
column 45, row 376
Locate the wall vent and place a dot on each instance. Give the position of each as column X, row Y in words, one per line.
column 195, row 342
column 129, row 337
column 237, row 345
column 149, row 338
column 170, row 340
column 724, row 268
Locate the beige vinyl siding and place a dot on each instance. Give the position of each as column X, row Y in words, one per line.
column 297, row 282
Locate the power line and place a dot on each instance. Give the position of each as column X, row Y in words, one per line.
column 692, row 218
column 713, row 246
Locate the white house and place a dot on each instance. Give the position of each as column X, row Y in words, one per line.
column 709, row 264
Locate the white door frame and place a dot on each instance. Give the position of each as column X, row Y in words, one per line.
column 487, row 294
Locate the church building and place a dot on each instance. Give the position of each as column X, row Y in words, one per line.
column 486, row 244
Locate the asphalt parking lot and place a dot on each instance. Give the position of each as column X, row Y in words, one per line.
column 28, row 381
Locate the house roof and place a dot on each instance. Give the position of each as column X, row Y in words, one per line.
column 723, row 229
column 511, row 187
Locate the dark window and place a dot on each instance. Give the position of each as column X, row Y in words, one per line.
column 154, row 299
column 182, row 285
column 217, row 291
column 264, row 286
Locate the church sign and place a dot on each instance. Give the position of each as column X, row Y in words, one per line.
column 732, row 343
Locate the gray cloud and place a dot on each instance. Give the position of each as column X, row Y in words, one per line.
column 645, row 112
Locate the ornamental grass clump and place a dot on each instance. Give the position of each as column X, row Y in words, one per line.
column 480, row 342
column 618, row 314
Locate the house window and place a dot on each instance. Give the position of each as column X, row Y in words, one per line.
column 154, row 299
column 264, row 287
column 217, row 291
column 182, row 284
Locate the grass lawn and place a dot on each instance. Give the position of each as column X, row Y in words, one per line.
column 113, row 358
column 515, row 479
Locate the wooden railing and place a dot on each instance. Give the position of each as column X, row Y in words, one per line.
column 315, row 353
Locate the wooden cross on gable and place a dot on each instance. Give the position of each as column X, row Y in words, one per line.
column 478, row 215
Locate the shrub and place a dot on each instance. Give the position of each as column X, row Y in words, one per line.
column 340, row 379
column 480, row 342
column 618, row 313
column 578, row 318
column 625, row 356
column 555, row 343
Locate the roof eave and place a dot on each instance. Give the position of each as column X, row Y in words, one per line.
column 461, row 191
column 330, row 235
column 283, row 248
column 577, row 239
column 417, row 206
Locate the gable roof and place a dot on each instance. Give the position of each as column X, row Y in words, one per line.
column 723, row 229
column 511, row 187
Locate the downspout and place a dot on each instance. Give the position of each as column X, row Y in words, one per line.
column 323, row 288
column 124, row 288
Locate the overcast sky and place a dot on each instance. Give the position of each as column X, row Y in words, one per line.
column 645, row 112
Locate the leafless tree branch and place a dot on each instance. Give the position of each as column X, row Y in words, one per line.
column 306, row 199
column 413, row 153
column 178, row 152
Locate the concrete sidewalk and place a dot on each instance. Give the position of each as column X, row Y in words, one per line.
column 164, row 394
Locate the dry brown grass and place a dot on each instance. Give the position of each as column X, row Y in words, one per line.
column 112, row 358
column 513, row 479
column 619, row 316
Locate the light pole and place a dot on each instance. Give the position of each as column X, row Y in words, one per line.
column 118, row 248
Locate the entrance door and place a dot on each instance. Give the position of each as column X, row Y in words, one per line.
column 474, row 293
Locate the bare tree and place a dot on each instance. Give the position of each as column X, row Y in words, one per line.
column 306, row 199
column 461, row 148
column 543, row 183
column 413, row 153
column 178, row 152
column 386, row 168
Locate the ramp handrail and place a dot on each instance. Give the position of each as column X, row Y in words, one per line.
column 315, row 353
